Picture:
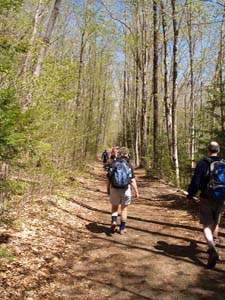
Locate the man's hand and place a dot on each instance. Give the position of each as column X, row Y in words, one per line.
column 136, row 195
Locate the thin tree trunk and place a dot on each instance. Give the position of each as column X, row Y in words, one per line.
column 100, row 103
column 124, row 103
column 42, row 53
column 78, row 94
column 143, row 137
column 167, row 104
column 136, row 96
column 155, row 88
column 220, row 81
column 80, row 69
column 174, row 92
column 47, row 37
column 28, row 58
column 136, row 132
column 191, row 53
column 4, row 171
column 103, row 112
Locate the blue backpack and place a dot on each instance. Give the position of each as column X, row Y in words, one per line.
column 216, row 185
column 120, row 174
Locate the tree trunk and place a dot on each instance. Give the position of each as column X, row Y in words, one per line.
column 155, row 88
column 4, row 171
column 221, row 81
column 143, row 137
column 42, row 53
column 28, row 58
column 174, row 92
column 167, row 104
column 80, row 69
column 136, row 112
column 78, row 94
column 191, row 53
column 47, row 37
column 136, row 92
column 124, row 103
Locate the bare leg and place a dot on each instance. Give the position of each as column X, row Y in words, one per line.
column 123, row 219
column 114, row 217
column 215, row 230
column 114, row 213
column 124, row 213
column 208, row 233
column 211, row 234
column 115, row 208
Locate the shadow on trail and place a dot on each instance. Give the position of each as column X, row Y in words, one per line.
column 98, row 228
column 188, row 227
column 95, row 227
column 169, row 201
column 191, row 251
column 133, row 294
column 104, row 228
column 137, row 218
column 211, row 283
column 208, row 286
column 191, row 259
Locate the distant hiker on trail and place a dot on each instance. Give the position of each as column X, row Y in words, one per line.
column 120, row 179
column 209, row 178
column 113, row 153
column 105, row 157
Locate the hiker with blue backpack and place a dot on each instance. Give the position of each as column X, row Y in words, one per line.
column 120, row 180
column 209, row 178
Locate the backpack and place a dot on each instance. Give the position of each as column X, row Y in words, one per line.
column 120, row 174
column 216, row 185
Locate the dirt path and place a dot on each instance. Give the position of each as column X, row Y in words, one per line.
column 64, row 251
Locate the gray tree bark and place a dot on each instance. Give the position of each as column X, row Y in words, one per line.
column 47, row 37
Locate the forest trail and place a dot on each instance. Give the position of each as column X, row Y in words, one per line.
column 62, row 249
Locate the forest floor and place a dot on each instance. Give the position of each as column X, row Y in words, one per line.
column 59, row 247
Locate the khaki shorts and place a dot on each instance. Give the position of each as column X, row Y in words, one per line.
column 120, row 196
column 210, row 211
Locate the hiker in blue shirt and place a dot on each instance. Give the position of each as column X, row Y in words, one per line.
column 105, row 157
column 120, row 179
column 210, row 209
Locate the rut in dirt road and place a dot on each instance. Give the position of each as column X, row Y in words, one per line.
column 162, row 256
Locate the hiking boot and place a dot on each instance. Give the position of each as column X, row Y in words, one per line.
column 113, row 228
column 213, row 258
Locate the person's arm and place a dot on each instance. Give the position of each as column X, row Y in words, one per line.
column 108, row 175
column 108, row 185
column 199, row 175
column 135, row 188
